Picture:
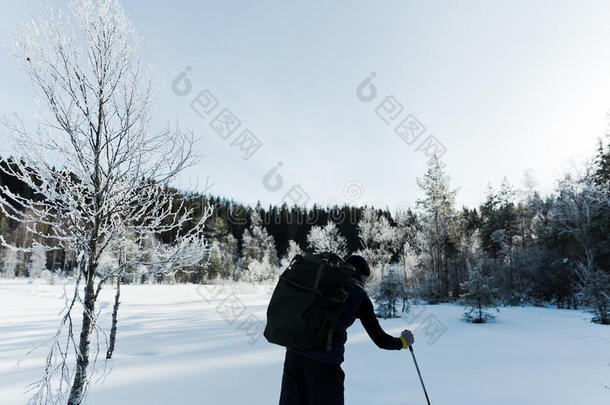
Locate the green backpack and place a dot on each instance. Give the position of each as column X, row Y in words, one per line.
column 307, row 300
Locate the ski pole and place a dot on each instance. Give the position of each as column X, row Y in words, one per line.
column 419, row 374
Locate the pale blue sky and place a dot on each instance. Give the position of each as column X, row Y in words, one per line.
column 505, row 86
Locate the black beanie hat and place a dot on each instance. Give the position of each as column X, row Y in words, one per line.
column 360, row 264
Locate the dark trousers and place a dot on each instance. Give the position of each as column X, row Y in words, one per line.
column 309, row 382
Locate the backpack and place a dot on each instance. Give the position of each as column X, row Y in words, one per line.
column 307, row 300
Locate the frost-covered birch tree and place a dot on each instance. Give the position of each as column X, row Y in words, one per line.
column 97, row 173
column 327, row 238
column 377, row 241
column 9, row 263
column 293, row 250
column 259, row 255
column 37, row 264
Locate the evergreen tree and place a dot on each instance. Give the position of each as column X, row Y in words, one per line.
column 223, row 253
column 507, row 237
column 602, row 163
column 478, row 297
column 407, row 252
column 437, row 212
column 388, row 292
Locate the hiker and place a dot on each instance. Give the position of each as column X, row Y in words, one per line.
column 315, row 377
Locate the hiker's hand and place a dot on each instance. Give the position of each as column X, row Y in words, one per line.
column 407, row 338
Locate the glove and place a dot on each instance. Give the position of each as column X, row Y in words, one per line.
column 407, row 339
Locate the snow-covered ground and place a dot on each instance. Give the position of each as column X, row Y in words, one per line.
column 180, row 344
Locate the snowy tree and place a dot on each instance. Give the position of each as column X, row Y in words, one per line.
column 388, row 292
column 437, row 211
column 293, row 250
column 259, row 256
column 593, row 286
column 508, row 235
column 260, row 270
column 404, row 233
column 96, row 171
column 38, row 262
column 9, row 262
column 108, row 261
column 601, row 175
column 377, row 241
column 223, row 252
column 578, row 207
column 407, row 244
column 528, row 185
column 478, row 297
column 580, row 213
column 230, row 248
column 327, row 238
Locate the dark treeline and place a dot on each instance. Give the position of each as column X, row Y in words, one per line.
column 283, row 223
column 536, row 249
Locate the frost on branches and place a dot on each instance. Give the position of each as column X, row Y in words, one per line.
column 577, row 212
column 291, row 252
column 436, row 216
column 259, row 261
column 9, row 263
column 388, row 292
column 37, row 265
column 327, row 238
column 593, row 286
column 377, row 239
column 98, row 174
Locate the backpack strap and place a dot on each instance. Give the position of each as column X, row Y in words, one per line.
column 329, row 341
column 316, row 284
column 331, row 332
column 356, row 282
column 302, row 287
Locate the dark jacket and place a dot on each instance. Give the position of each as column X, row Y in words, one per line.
column 358, row 305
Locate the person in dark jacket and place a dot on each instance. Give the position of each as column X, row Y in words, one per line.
column 315, row 377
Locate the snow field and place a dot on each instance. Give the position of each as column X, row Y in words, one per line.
column 180, row 344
